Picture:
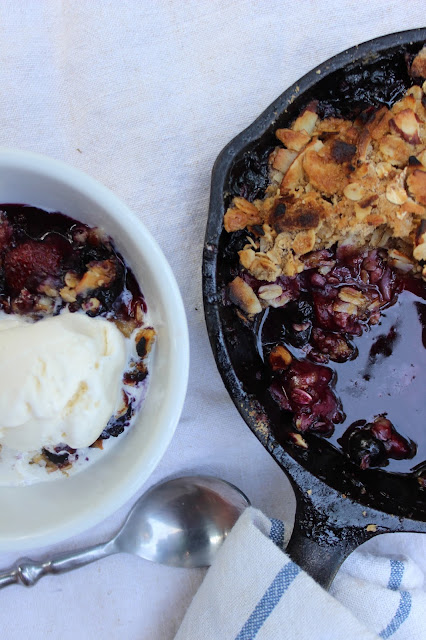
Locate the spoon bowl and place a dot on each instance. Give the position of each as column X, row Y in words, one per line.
column 180, row 522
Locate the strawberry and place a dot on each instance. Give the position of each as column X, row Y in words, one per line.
column 28, row 264
column 6, row 231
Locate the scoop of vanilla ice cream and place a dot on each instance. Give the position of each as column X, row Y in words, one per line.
column 60, row 379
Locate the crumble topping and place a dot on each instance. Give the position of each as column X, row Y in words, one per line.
column 356, row 184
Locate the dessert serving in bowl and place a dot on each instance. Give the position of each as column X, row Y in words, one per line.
column 314, row 278
column 94, row 351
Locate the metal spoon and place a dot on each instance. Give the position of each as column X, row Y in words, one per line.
column 180, row 522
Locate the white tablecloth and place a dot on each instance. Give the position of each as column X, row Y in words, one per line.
column 143, row 96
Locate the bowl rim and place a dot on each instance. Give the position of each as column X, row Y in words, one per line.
column 179, row 349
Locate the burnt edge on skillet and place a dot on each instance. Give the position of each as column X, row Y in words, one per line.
column 323, row 472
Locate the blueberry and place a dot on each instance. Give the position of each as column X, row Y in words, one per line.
column 299, row 338
column 366, row 450
column 300, row 311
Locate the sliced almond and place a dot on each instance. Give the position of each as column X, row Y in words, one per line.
column 264, row 268
column 275, row 175
column 354, row 191
column 242, row 215
column 364, row 145
column 349, row 294
column 98, row 274
column 326, row 267
column 400, row 261
column 304, row 242
column 299, row 441
column 415, row 91
column 244, row 297
column 419, row 252
column 283, row 159
column 361, row 212
column 407, row 125
column 246, row 257
column 396, row 194
column 281, row 301
column 294, row 176
column 416, row 183
column 376, row 239
column 68, row 295
column 414, row 208
column 407, row 102
column 345, row 307
column 394, row 150
column 244, row 205
column 395, row 191
column 376, row 219
column 387, row 233
column 269, row 291
column 284, row 240
column 383, row 169
column 305, row 122
column 71, row 279
column 293, row 140
column 251, row 244
column 325, row 175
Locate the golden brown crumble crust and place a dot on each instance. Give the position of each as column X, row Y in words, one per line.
column 353, row 183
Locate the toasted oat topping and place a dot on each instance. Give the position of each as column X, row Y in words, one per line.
column 360, row 183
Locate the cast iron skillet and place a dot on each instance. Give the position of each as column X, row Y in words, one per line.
column 338, row 505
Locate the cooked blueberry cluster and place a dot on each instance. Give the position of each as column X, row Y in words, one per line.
column 372, row 444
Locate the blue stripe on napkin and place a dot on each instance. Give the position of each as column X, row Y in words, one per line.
column 277, row 532
column 397, row 571
column 269, row 600
column 404, row 607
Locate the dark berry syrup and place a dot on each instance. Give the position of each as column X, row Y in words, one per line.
column 355, row 378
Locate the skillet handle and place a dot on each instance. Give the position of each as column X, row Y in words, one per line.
column 320, row 542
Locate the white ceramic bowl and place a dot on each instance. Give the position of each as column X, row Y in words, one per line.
column 48, row 512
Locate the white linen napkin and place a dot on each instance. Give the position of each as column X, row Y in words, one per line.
column 253, row 590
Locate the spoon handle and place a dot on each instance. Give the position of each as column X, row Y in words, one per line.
column 27, row 572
